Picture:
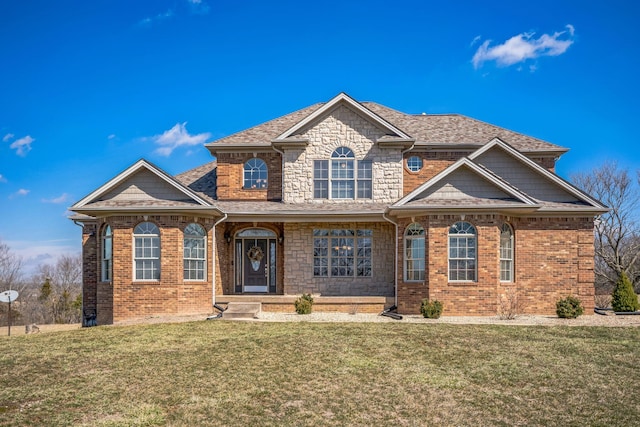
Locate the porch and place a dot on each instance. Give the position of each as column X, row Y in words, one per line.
column 342, row 304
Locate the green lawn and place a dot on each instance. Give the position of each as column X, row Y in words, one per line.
column 253, row 373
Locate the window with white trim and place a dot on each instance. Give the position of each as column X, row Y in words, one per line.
column 342, row 253
column 462, row 252
column 255, row 174
column 194, row 252
column 506, row 253
column 414, row 255
column 414, row 163
column 107, row 254
column 342, row 177
column 146, row 254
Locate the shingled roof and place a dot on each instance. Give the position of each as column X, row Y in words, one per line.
column 426, row 129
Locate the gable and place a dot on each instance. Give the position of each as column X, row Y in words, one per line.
column 144, row 185
column 384, row 128
column 463, row 184
column 529, row 177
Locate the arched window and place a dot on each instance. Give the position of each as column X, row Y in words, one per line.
column 195, row 253
column 107, row 254
column 462, row 252
column 146, row 255
column 255, row 174
column 506, row 253
column 343, row 177
column 414, row 253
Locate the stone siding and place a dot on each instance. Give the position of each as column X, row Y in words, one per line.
column 342, row 128
column 298, row 268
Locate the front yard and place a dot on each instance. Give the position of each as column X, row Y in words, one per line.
column 235, row 373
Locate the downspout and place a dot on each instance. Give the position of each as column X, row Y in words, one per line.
column 395, row 257
column 81, row 225
column 213, row 260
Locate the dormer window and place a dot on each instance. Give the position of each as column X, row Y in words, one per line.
column 342, row 177
column 255, row 175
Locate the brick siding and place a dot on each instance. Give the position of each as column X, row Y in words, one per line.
column 553, row 259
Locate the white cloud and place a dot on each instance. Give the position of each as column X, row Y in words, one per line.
column 22, row 145
column 175, row 137
column 60, row 199
column 21, row 192
column 8, row 137
column 112, row 136
column 475, row 40
column 2, row 178
column 149, row 21
column 198, row 6
column 524, row 46
column 35, row 253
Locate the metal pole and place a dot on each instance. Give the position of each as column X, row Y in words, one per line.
column 9, row 320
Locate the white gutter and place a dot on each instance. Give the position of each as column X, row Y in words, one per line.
column 214, row 255
column 395, row 258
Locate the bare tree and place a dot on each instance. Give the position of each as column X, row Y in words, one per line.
column 10, row 268
column 60, row 289
column 617, row 239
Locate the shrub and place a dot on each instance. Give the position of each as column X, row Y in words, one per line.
column 623, row 297
column 569, row 308
column 509, row 306
column 431, row 309
column 304, row 304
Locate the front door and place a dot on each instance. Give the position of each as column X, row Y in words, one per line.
column 255, row 261
column 256, row 270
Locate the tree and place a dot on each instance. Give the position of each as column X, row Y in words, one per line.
column 617, row 234
column 623, row 297
column 10, row 268
column 60, row 290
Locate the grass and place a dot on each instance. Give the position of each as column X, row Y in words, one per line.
column 236, row 373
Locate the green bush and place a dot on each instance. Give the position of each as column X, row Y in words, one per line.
column 569, row 308
column 431, row 309
column 304, row 304
column 623, row 297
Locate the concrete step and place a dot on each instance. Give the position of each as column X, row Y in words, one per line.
column 242, row 310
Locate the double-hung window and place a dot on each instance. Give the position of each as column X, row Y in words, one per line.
column 506, row 253
column 107, row 254
column 342, row 177
column 462, row 252
column 194, row 252
column 414, row 255
column 146, row 237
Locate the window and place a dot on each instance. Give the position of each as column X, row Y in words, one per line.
column 342, row 253
column 462, row 252
column 343, row 177
column 414, row 253
column 107, row 254
column 506, row 253
column 414, row 163
column 194, row 252
column 146, row 238
column 255, row 174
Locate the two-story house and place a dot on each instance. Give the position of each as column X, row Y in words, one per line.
column 361, row 205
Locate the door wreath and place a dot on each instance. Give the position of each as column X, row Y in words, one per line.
column 255, row 255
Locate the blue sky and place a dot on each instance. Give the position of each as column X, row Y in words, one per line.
column 89, row 87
